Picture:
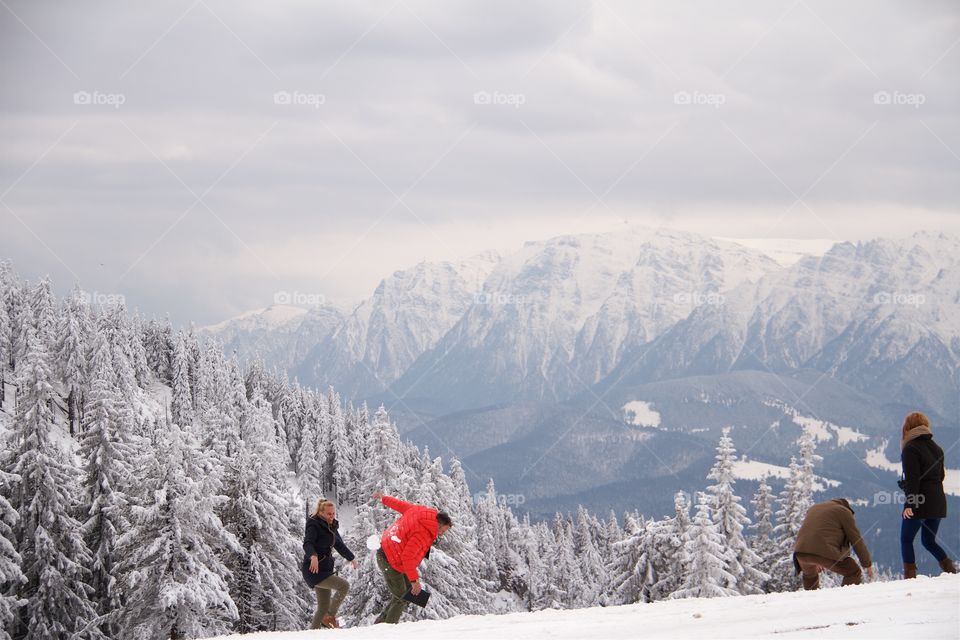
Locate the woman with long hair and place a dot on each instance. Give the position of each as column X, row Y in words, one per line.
column 319, row 541
column 926, row 503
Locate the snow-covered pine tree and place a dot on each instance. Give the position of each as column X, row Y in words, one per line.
column 705, row 557
column 310, row 471
column 731, row 518
column 383, row 471
column 566, row 571
column 501, row 541
column 18, row 312
column 452, row 572
column 491, row 535
column 294, row 411
column 194, row 358
column 806, row 484
column 108, row 455
column 670, row 537
column 49, row 539
column 610, row 534
column 357, row 448
column 11, row 572
column 235, row 405
column 181, row 407
column 265, row 581
column 113, row 320
column 463, row 543
column 762, row 540
column 44, row 314
column 340, row 456
column 632, row 565
column 202, row 381
column 588, row 558
column 223, row 407
column 175, row 578
column 71, row 353
column 137, row 349
column 540, row 555
column 280, row 428
column 510, row 564
column 794, row 501
column 159, row 346
column 6, row 342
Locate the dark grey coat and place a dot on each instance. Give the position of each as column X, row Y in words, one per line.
column 923, row 473
column 321, row 538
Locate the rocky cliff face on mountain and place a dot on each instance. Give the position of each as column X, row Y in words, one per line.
column 562, row 315
column 559, row 315
column 407, row 315
column 882, row 316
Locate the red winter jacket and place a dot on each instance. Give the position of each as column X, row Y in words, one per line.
column 408, row 540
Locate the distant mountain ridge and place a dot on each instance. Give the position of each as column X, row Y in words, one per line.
column 641, row 305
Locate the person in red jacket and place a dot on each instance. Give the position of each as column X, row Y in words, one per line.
column 402, row 546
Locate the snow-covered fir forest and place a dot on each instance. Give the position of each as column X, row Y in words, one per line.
column 152, row 488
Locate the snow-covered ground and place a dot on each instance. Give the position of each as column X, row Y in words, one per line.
column 641, row 414
column 925, row 607
column 744, row 469
column 822, row 430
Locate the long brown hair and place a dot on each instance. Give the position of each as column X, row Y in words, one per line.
column 914, row 420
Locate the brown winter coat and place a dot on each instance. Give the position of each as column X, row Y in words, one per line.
column 829, row 530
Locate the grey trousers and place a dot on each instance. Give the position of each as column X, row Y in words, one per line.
column 326, row 606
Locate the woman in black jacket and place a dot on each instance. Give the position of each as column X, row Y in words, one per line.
column 926, row 504
column 319, row 541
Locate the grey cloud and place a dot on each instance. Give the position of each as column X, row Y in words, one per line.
column 599, row 84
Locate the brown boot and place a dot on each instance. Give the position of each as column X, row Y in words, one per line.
column 909, row 570
column 947, row 565
column 330, row 622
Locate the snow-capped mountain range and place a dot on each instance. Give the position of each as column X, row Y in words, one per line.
column 562, row 315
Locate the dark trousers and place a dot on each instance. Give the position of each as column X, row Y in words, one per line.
column 398, row 584
column 928, row 538
column 811, row 565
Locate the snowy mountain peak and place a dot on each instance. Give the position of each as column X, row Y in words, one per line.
column 276, row 315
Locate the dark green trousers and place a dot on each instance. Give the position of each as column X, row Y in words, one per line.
column 398, row 584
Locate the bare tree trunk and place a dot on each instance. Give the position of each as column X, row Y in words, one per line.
column 71, row 409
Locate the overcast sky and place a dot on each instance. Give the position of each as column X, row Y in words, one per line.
column 197, row 157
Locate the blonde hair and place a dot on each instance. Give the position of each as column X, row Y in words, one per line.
column 914, row 420
column 322, row 504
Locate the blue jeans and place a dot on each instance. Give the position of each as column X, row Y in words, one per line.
column 928, row 538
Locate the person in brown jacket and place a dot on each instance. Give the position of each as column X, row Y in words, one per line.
column 824, row 540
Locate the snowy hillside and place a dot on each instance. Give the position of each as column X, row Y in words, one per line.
column 925, row 607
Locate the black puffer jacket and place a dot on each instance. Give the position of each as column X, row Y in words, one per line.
column 923, row 472
column 321, row 538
